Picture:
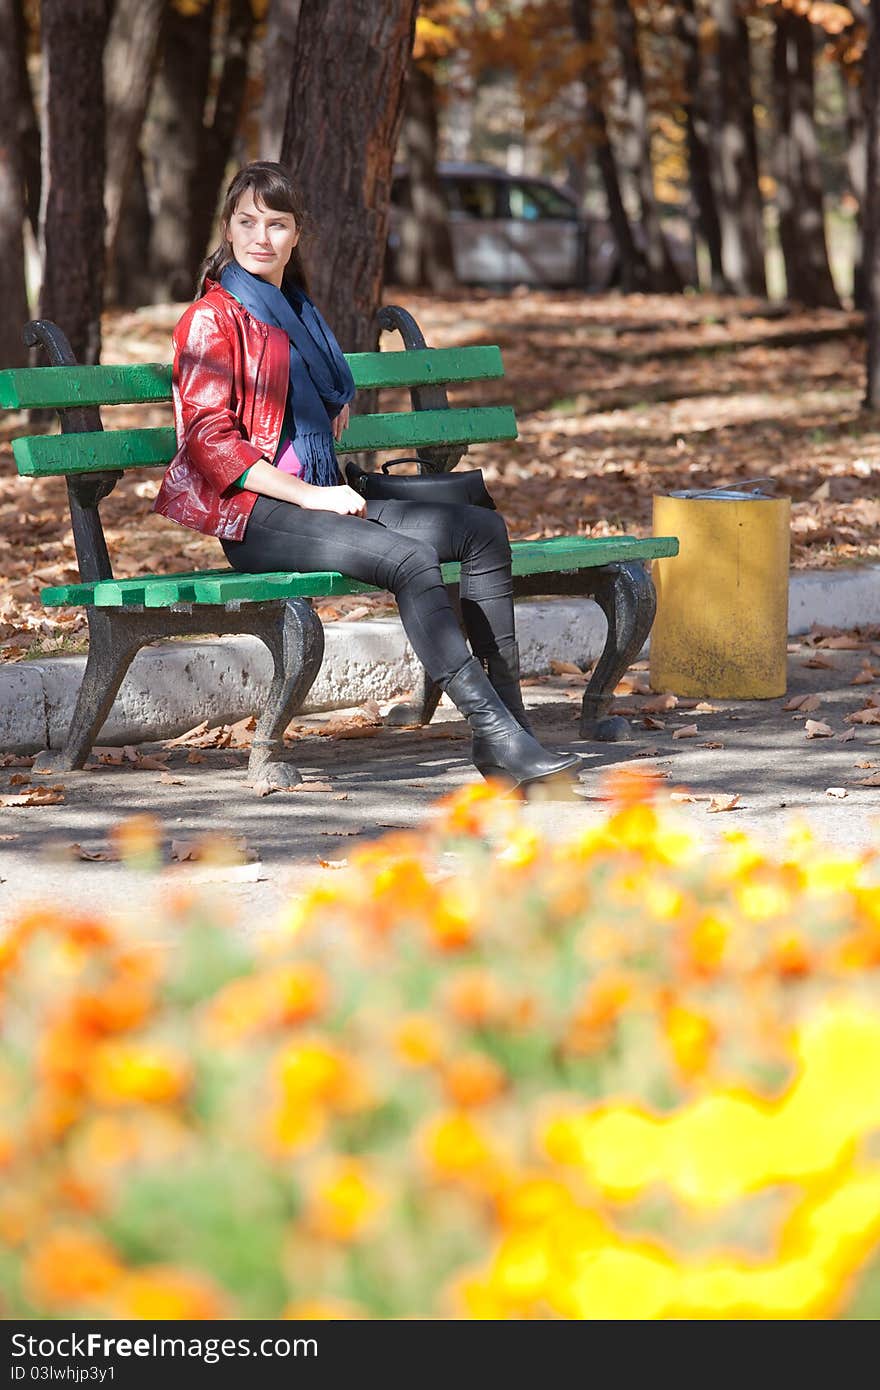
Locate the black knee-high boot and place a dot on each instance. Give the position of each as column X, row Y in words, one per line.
column 501, row 747
column 502, row 668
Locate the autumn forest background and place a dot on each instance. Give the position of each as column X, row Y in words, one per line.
column 724, row 150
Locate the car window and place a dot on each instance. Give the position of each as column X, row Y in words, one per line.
column 472, row 197
column 530, row 201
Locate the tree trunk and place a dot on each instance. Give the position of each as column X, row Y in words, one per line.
column 854, row 93
column 664, row 278
column 13, row 294
column 133, row 280
column 697, row 133
column 217, row 138
column 634, row 270
column 130, row 60
column 173, row 141
column 72, row 213
column 871, row 274
column 425, row 255
column 340, row 136
column 278, row 46
column 28, row 125
column 742, row 227
column 799, row 180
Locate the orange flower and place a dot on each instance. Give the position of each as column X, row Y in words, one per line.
column 162, row 1293
column 706, row 944
column 284, row 995
column 475, row 809
column 121, row 1005
column 69, row 1266
column 452, row 923
column 138, row 839
column 790, row 955
column 473, row 1080
column 124, row 1072
column 475, row 997
column 600, row 1006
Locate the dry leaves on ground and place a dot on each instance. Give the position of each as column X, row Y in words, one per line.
column 34, row 796
column 816, row 728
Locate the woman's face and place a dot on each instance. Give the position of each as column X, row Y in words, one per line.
column 262, row 239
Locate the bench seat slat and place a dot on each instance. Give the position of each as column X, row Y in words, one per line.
column 225, row 586
column 42, row 388
column 46, row 455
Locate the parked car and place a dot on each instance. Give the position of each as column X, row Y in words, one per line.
column 514, row 229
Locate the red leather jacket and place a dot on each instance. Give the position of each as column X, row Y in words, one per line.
column 229, row 386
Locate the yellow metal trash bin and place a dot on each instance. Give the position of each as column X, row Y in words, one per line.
column 722, row 603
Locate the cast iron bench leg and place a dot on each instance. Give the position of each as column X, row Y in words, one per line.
column 113, row 643
column 295, row 638
column 625, row 593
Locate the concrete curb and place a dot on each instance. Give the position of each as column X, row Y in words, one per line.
column 171, row 687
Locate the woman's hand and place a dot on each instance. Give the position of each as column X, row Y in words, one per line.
column 343, row 500
column 341, row 422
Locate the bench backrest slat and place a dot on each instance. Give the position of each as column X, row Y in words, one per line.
column 46, row 455
column 57, row 388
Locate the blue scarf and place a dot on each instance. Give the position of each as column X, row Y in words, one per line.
column 320, row 378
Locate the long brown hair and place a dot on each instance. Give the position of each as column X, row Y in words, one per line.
column 272, row 186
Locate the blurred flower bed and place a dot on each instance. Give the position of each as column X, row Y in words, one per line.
column 610, row 1078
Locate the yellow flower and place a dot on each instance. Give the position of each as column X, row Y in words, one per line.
column 458, row 1149
column 163, row 1293
column 69, row 1266
column 419, row 1040
column 345, row 1200
column 691, row 1037
column 123, row 1072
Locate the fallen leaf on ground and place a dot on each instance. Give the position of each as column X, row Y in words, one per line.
column 837, row 792
column 152, row 762
column 181, row 850
column 815, row 728
column 659, row 704
column 703, row 707
column 313, row 787
column 10, row 837
column 34, row 796
column 194, row 757
column 804, row 703
column 686, row 731
column 866, row 676
column 872, row 781
column 168, row 781
column 865, row 762
column 722, row 803
column 819, row 663
column 96, row 856
column 565, row 668
column 19, row 779
column 632, row 685
column 847, row 737
column 844, row 643
column 684, row 796
column 712, row 745
column 650, row 723
column 331, row 863
column 222, row 873
column 871, row 715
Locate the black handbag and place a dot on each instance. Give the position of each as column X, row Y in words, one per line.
column 466, row 487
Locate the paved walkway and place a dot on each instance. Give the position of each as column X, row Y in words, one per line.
column 756, row 751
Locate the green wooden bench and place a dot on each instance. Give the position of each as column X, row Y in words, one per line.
column 125, row 614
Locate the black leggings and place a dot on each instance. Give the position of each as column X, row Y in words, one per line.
column 399, row 546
